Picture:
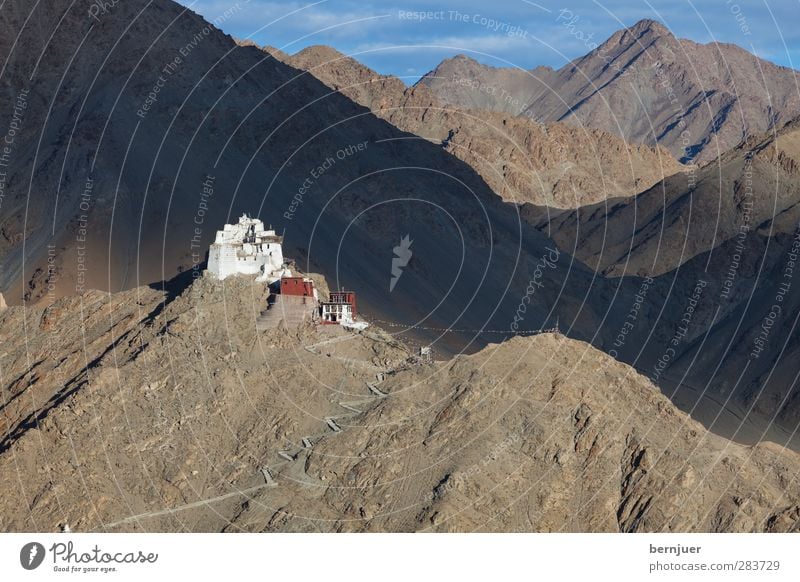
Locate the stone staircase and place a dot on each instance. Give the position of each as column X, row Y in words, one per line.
column 290, row 309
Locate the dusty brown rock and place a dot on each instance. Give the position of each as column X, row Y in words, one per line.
column 755, row 186
column 726, row 250
column 181, row 405
column 464, row 82
column 134, row 220
column 643, row 84
column 554, row 165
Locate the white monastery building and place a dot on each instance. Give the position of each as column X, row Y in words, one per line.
column 247, row 248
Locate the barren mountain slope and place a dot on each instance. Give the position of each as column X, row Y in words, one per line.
column 554, row 164
column 129, row 189
column 687, row 214
column 360, row 83
column 724, row 256
column 647, row 86
column 126, row 415
column 464, row 82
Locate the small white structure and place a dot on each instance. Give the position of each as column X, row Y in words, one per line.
column 340, row 308
column 426, row 354
column 247, row 248
column 337, row 313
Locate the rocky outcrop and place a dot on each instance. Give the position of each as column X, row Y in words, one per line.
column 720, row 256
column 463, row 82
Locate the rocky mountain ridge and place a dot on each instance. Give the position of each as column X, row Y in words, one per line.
column 643, row 84
column 107, row 209
column 551, row 164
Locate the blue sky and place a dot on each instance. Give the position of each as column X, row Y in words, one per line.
column 408, row 38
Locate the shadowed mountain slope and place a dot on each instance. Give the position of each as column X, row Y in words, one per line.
column 148, row 130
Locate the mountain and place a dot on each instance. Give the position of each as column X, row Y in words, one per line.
column 648, row 86
column 174, row 420
column 147, row 131
column 137, row 136
column 551, row 164
column 381, row 94
column 464, row 82
column 754, row 187
column 734, row 227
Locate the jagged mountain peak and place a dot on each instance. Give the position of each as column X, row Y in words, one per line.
column 645, row 34
column 649, row 26
column 697, row 100
column 461, row 58
column 319, row 51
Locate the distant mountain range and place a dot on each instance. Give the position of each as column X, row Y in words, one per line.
column 553, row 164
column 754, row 187
column 642, row 84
